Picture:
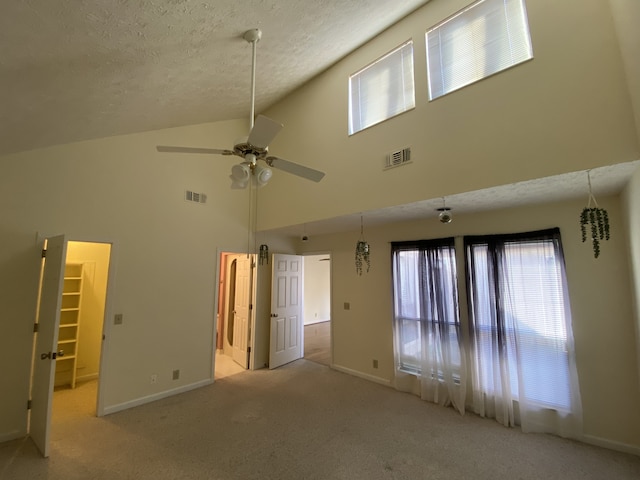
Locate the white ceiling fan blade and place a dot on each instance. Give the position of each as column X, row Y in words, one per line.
column 263, row 132
column 170, row 149
column 295, row 169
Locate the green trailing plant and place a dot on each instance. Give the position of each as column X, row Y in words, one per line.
column 594, row 222
column 362, row 256
column 363, row 251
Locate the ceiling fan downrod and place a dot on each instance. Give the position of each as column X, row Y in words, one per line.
column 253, row 36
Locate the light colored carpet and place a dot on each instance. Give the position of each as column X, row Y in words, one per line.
column 317, row 342
column 302, row 421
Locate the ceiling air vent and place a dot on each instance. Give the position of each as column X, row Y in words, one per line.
column 399, row 157
column 195, row 197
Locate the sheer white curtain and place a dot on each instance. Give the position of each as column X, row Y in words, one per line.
column 426, row 320
column 522, row 343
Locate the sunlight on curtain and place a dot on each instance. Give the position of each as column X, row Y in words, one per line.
column 427, row 325
column 522, row 344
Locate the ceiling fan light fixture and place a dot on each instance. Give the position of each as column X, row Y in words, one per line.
column 240, row 175
column 262, row 174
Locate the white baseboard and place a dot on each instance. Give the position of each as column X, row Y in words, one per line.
column 86, row 378
column 156, row 396
column 366, row 376
column 611, row 445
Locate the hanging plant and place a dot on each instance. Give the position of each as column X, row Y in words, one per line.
column 362, row 256
column 363, row 251
column 594, row 222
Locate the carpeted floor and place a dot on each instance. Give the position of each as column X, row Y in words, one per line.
column 301, row 421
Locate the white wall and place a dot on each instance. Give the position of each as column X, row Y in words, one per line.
column 120, row 189
column 603, row 316
column 566, row 110
column 317, row 300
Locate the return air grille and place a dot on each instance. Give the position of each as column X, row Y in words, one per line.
column 399, row 157
column 195, row 197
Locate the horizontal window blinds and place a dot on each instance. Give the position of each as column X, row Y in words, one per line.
column 382, row 90
column 485, row 38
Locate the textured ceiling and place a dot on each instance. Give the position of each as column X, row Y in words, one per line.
column 609, row 180
column 73, row 70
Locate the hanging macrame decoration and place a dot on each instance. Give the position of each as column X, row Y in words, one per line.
column 362, row 251
column 594, row 222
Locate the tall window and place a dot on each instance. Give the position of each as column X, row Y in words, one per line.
column 519, row 350
column 521, row 330
column 485, row 38
column 382, row 89
column 427, row 324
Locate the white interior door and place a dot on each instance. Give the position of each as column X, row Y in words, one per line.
column 44, row 368
column 241, row 311
column 286, row 344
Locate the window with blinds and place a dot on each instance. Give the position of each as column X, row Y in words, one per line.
column 382, row 89
column 484, row 38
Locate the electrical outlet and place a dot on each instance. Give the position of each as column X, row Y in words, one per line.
column 117, row 319
column 375, row 363
column 154, row 378
column 347, row 306
column 176, row 374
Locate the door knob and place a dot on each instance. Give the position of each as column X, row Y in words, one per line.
column 51, row 355
column 274, row 315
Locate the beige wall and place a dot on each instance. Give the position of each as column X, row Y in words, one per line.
column 626, row 14
column 568, row 109
column 603, row 318
column 631, row 205
column 317, row 301
column 120, row 189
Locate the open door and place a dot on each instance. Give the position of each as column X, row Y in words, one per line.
column 46, row 342
column 242, row 310
column 286, row 343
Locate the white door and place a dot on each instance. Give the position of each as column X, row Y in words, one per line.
column 241, row 311
column 286, row 343
column 44, row 368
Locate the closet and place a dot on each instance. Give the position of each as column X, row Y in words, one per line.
column 70, row 320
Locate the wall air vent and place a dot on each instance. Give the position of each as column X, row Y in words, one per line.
column 195, row 197
column 397, row 158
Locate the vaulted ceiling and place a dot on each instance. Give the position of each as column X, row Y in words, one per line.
column 77, row 70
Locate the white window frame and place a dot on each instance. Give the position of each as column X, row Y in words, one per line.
column 383, row 89
column 487, row 37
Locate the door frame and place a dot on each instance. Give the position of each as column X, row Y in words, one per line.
column 108, row 313
column 229, row 252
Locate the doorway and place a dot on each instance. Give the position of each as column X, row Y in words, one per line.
column 78, row 368
column 235, row 314
column 317, row 308
column 74, row 278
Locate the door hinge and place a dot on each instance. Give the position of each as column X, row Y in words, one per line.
column 36, row 327
column 29, row 404
column 44, row 253
column 248, row 349
column 251, row 306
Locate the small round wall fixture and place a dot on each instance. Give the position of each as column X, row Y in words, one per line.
column 445, row 215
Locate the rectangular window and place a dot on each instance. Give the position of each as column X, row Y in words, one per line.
column 426, row 307
column 519, row 317
column 382, row 90
column 485, row 38
column 519, row 352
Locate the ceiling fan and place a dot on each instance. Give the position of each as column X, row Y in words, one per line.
column 255, row 146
